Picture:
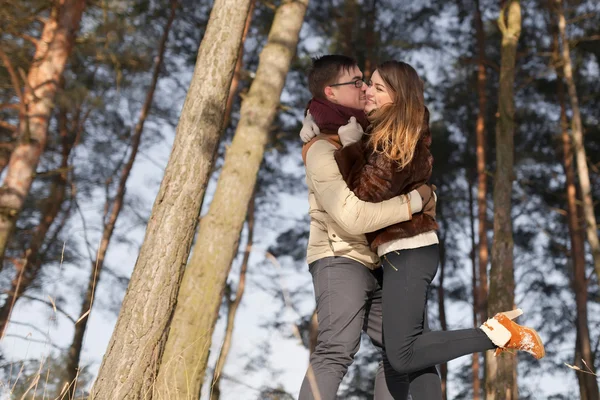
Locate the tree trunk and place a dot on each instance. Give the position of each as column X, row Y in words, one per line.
column 581, row 378
column 234, row 305
column 442, row 312
column 370, row 42
column 580, row 154
column 587, row 383
column 134, row 353
column 481, row 167
column 28, row 271
column 500, row 371
column 346, row 24
column 475, row 356
column 204, row 279
column 74, row 353
column 51, row 55
column 235, row 82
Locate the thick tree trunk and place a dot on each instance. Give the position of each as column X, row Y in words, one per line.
column 234, row 305
column 500, row 371
column 588, row 383
column 135, row 350
column 481, row 168
column 474, row 292
column 115, row 206
column 204, row 279
column 442, row 312
column 28, row 271
column 578, row 145
column 51, row 55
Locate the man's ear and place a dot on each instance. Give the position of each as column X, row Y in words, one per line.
column 329, row 93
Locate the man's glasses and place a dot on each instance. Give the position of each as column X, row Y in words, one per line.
column 357, row 84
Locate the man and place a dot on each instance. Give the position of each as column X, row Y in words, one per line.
column 346, row 273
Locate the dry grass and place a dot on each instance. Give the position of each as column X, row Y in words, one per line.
column 39, row 382
column 31, row 391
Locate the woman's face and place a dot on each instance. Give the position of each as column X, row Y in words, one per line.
column 378, row 93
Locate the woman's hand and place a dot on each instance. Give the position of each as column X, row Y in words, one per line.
column 310, row 129
column 351, row 132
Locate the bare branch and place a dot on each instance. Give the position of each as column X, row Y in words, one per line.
column 29, row 339
column 489, row 63
column 52, row 172
column 29, row 38
column 580, row 18
column 51, row 305
column 41, row 19
column 6, row 125
column 35, row 328
column 11, row 106
column 575, row 41
column 14, row 78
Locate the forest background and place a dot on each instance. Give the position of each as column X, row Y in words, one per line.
column 112, row 109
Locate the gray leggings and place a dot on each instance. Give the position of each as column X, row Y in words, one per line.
column 409, row 348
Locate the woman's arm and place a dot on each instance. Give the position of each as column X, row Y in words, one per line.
column 370, row 175
column 353, row 215
column 374, row 178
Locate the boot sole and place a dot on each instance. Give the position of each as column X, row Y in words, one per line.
column 517, row 312
column 539, row 339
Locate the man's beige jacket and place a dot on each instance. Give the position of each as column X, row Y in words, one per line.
column 338, row 219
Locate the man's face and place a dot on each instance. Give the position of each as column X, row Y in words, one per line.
column 348, row 95
column 378, row 94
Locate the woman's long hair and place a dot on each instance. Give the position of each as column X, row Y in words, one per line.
column 397, row 127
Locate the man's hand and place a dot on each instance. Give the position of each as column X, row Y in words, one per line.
column 310, row 129
column 351, row 132
column 429, row 198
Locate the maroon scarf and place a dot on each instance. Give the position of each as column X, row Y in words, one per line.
column 330, row 116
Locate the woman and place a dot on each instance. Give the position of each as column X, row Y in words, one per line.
column 390, row 160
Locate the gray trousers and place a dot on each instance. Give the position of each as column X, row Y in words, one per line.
column 349, row 300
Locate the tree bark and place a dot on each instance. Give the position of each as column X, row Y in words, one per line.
column 187, row 348
column 51, row 55
column 500, row 371
column 234, row 305
column 134, row 353
column 28, row 271
column 481, row 167
column 588, row 383
column 578, row 145
column 115, row 206
column 474, row 292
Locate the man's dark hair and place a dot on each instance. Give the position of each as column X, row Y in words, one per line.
column 325, row 70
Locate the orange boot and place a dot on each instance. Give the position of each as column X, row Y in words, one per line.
column 506, row 334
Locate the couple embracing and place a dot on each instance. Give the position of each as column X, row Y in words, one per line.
column 373, row 247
